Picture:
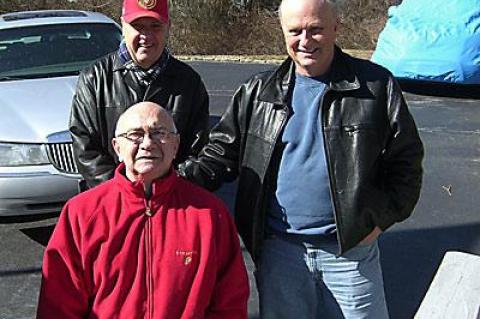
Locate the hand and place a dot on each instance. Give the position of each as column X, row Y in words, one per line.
column 371, row 237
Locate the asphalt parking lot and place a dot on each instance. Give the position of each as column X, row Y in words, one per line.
column 446, row 217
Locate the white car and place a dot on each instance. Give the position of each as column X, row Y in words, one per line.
column 41, row 55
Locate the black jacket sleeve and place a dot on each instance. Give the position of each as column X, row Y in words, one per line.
column 220, row 159
column 198, row 124
column 94, row 161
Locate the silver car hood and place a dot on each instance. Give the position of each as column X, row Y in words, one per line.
column 31, row 110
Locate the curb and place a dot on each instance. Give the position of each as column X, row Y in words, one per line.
column 260, row 59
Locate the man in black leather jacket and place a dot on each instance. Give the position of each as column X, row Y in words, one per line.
column 141, row 70
column 328, row 157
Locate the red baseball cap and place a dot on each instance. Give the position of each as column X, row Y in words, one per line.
column 134, row 9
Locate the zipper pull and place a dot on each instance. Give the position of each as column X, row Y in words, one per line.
column 148, row 211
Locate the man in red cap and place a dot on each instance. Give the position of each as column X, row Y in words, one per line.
column 141, row 70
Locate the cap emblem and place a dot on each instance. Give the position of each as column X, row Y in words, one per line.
column 147, row 4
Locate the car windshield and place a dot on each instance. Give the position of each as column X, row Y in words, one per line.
column 54, row 50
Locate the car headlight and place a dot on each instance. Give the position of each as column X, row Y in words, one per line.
column 12, row 154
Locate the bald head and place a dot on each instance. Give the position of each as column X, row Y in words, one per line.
column 334, row 5
column 145, row 111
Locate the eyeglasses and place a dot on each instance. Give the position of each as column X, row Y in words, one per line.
column 137, row 136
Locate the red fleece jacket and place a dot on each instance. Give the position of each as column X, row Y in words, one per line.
column 113, row 254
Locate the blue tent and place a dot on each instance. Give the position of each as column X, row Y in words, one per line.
column 432, row 40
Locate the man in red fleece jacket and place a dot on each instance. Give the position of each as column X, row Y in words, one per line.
column 146, row 244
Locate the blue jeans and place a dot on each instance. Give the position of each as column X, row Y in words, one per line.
column 298, row 281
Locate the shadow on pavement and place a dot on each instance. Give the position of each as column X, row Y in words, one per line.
column 26, row 218
column 410, row 259
column 39, row 234
column 27, row 224
column 468, row 91
column 20, row 272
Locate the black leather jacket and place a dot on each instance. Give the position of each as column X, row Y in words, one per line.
column 106, row 89
column 373, row 150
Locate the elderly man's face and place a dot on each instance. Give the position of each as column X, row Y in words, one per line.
column 310, row 30
column 146, row 141
column 145, row 39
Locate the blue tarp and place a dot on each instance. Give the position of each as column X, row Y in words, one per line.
column 432, row 40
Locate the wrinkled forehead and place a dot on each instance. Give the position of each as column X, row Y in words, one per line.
column 145, row 118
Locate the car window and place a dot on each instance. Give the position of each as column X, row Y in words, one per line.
column 54, row 50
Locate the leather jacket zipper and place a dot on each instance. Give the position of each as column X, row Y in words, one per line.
column 277, row 135
column 286, row 113
column 329, row 168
